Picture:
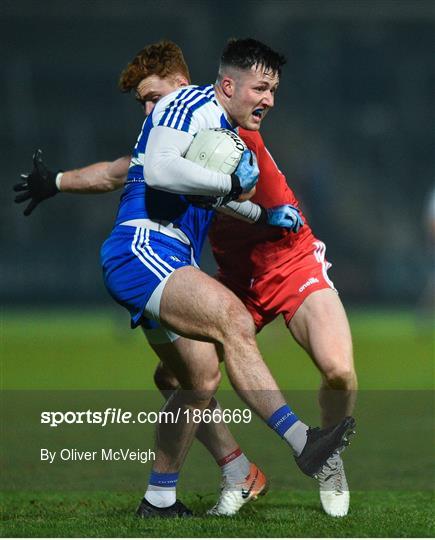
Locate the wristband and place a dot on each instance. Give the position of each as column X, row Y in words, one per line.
column 59, row 180
column 262, row 220
column 236, row 188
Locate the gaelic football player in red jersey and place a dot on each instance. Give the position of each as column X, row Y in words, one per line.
column 278, row 271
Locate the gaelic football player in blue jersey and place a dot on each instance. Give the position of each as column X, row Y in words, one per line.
column 148, row 262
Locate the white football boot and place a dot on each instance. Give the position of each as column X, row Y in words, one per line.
column 334, row 491
column 234, row 496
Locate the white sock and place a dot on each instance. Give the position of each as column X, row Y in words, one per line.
column 235, row 469
column 296, row 436
column 162, row 497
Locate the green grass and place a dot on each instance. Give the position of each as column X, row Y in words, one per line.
column 279, row 514
column 75, row 350
column 389, row 465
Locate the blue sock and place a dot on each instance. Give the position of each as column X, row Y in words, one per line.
column 285, row 422
column 282, row 420
column 161, row 491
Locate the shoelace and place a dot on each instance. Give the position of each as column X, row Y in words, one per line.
column 333, row 469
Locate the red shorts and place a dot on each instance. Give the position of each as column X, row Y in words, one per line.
column 283, row 289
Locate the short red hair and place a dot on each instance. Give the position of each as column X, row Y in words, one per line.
column 163, row 59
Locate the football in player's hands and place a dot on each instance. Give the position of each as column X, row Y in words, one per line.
column 219, row 150
column 216, row 149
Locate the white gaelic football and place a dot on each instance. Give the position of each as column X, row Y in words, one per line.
column 216, row 149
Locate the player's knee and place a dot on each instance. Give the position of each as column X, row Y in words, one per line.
column 239, row 323
column 212, row 382
column 341, row 376
column 202, row 395
column 164, row 379
column 203, row 386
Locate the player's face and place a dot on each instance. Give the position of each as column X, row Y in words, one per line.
column 253, row 96
column 153, row 88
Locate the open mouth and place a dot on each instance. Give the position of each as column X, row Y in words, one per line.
column 258, row 113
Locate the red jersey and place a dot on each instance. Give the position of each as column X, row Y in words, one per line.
column 245, row 249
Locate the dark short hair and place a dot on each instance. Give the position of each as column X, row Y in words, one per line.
column 245, row 53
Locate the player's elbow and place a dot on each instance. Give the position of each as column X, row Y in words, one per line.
column 116, row 174
column 153, row 180
column 149, row 171
column 112, row 184
column 156, row 170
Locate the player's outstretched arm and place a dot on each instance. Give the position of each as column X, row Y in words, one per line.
column 101, row 177
column 42, row 183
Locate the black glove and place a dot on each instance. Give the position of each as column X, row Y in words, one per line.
column 39, row 185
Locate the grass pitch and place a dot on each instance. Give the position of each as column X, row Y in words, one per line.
column 279, row 514
column 95, row 351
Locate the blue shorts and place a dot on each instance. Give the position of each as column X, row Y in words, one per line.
column 137, row 262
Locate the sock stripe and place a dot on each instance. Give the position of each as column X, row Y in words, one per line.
column 282, row 420
column 163, row 479
column 230, row 457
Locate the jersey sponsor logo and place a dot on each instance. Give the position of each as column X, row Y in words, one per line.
column 309, row 282
column 174, row 258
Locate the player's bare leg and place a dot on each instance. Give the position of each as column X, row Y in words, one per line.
column 198, row 377
column 320, row 325
column 242, row 481
column 215, row 436
column 198, row 307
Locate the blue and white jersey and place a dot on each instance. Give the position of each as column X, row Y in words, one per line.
column 189, row 109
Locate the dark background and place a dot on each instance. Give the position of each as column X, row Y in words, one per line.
column 353, row 129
